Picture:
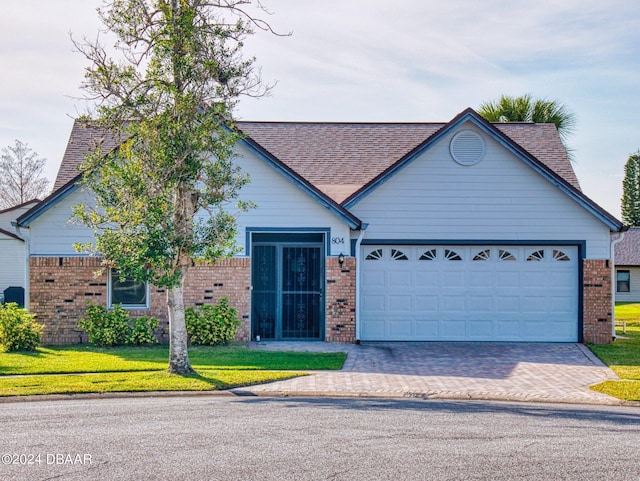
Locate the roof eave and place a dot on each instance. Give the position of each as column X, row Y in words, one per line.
column 4, row 211
column 470, row 115
column 11, row 234
column 37, row 210
column 351, row 220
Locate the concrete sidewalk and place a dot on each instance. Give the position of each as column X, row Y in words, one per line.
column 447, row 370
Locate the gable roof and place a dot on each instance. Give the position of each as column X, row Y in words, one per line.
column 10, row 234
column 627, row 251
column 337, row 163
column 84, row 138
column 341, row 158
column 19, row 206
column 9, row 216
column 338, row 158
column 545, row 170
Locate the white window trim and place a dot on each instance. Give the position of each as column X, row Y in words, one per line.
column 131, row 307
column 628, row 272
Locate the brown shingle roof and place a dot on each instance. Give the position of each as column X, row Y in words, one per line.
column 340, row 158
column 84, row 138
column 543, row 142
column 627, row 251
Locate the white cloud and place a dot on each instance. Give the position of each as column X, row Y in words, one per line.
column 375, row 60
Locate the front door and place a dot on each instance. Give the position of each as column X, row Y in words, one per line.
column 287, row 291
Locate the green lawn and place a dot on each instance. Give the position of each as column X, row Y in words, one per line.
column 623, row 356
column 627, row 311
column 93, row 369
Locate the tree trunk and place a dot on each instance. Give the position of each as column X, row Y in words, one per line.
column 178, row 354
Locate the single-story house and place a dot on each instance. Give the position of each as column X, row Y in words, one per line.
column 457, row 231
column 627, row 261
column 12, row 249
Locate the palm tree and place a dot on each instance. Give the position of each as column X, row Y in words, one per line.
column 526, row 109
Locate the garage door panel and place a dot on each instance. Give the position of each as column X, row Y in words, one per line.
column 508, row 304
column 426, row 329
column 561, row 305
column 426, row 303
column 398, row 278
column 508, row 330
column 400, row 303
column 373, row 304
column 374, row 330
column 481, row 329
column 479, row 280
column 507, row 279
column 426, row 278
column 534, row 304
column 453, row 304
column 562, row 330
column 481, row 303
column 400, row 329
column 534, row 279
column 536, row 329
column 560, row 279
column 447, row 295
column 373, row 279
column 454, row 330
column 452, row 279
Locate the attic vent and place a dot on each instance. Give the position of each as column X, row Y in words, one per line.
column 467, row 147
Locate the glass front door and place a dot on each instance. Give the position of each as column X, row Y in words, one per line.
column 287, row 291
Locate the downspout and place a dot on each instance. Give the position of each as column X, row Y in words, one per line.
column 612, row 256
column 363, row 228
column 24, row 234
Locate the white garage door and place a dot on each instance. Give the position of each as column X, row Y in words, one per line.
column 469, row 293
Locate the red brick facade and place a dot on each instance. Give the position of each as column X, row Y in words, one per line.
column 341, row 301
column 61, row 287
column 597, row 305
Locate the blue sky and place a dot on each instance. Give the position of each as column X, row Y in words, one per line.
column 357, row 60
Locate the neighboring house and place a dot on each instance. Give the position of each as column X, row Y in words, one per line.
column 458, row 231
column 12, row 248
column 627, row 260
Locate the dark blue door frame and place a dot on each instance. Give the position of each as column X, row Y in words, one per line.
column 288, row 286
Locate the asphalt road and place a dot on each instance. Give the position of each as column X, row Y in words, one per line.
column 256, row 438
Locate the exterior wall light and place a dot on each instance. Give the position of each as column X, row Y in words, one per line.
column 341, row 259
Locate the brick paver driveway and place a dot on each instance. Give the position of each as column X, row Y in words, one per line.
column 446, row 370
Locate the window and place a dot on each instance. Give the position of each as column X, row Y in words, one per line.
column 506, row 255
column 451, row 255
column 536, row 256
column 398, row 255
column 623, row 281
column 484, row 255
column 428, row 255
column 128, row 292
column 560, row 256
column 374, row 255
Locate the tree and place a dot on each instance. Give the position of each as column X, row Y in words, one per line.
column 169, row 100
column 21, row 175
column 527, row 109
column 631, row 191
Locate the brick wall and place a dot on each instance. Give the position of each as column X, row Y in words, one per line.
column 61, row 287
column 597, row 327
column 227, row 278
column 341, row 301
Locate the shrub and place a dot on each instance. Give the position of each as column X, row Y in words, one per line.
column 142, row 331
column 210, row 325
column 18, row 329
column 113, row 327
